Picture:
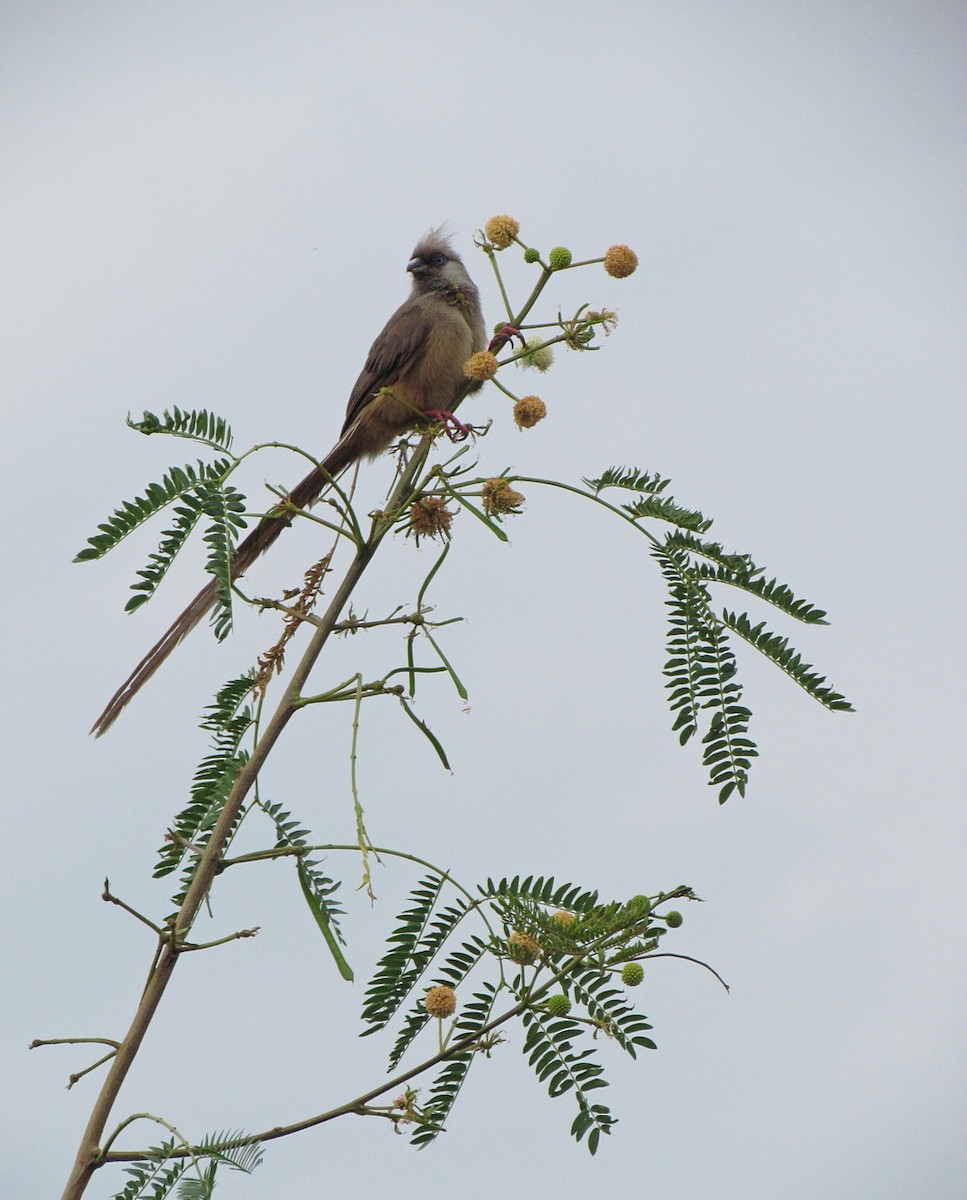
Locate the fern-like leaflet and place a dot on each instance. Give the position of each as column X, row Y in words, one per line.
column 197, row 425
column 228, row 719
column 446, row 1086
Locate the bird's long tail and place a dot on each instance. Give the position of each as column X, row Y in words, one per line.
column 257, row 542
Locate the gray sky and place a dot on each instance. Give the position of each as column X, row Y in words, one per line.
column 212, row 206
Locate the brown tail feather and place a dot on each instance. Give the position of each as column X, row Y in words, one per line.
column 258, row 541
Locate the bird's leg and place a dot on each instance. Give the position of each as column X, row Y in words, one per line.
column 506, row 333
column 455, row 429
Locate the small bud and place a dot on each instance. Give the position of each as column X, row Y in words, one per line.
column 673, row 919
column 430, row 517
column 482, row 365
column 528, row 411
column 522, row 948
column 632, row 974
column 499, row 497
column 558, row 1006
column 640, row 905
column 538, row 355
column 559, row 258
column 501, row 231
column 620, row 261
column 440, row 1001
column 531, row 255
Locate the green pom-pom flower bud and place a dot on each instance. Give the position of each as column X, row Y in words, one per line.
column 639, row 905
column 531, row 255
column 673, row 919
column 558, row 1006
column 559, row 257
column 632, row 974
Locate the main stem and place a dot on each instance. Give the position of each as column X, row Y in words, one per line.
column 87, row 1160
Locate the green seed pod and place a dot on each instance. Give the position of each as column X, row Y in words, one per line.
column 559, row 257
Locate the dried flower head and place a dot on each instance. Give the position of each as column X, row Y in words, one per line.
column 430, row 517
column 620, row 261
column 499, row 497
column 537, row 356
column 482, row 365
column 528, row 411
column 522, row 948
column 440, row 1001
column 605, row 318
column 563, row 917
column 559, row 258
column 501, row 231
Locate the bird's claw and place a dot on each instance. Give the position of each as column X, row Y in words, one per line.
column 506, row 333
column 454, row 428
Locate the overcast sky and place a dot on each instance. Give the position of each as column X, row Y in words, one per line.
column 212, row 205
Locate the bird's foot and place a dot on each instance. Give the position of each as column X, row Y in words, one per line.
column 506, row 333
column 455, row 429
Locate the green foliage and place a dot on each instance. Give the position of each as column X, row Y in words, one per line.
column 312, row 879
column 442, row 1093
column 226, row 507
column 180, row 483
column 196, row 425
column 581, row 946
column 193, row 1171
column 228, row 719
column 419, row 933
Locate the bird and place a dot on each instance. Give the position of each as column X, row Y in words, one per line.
column 414, row 369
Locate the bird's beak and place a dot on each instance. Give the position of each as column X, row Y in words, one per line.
column 415, row 266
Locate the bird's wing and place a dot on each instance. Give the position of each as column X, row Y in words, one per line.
column 402, row 340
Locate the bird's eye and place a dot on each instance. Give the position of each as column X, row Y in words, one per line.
column 438, row 259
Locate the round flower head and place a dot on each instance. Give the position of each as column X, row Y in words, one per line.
column 481, row 366
column 440, row 1001
column 673, row 919
column 499, row 497
column 559, row 1005
column 559, row 258
column 563, row 917
column 430, row 517
column 531, row 255
column 501, row 231
column 538, row 355
column 528, row 411
column 632, row 974
column 522, row 948
column 620, row 261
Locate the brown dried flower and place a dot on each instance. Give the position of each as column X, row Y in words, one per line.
column 499, row 497
column 563, row 917
column 620, row 261
column 440, row 1001
column 528, row 411
column 501, row 231
column 430, row 517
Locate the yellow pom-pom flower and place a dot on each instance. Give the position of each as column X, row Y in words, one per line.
column 440, row 1001
column 481, row 366
column 528, row 411
column 620, row 261
column 501, row 231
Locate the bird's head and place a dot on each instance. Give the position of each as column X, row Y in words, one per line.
column 436, row 265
